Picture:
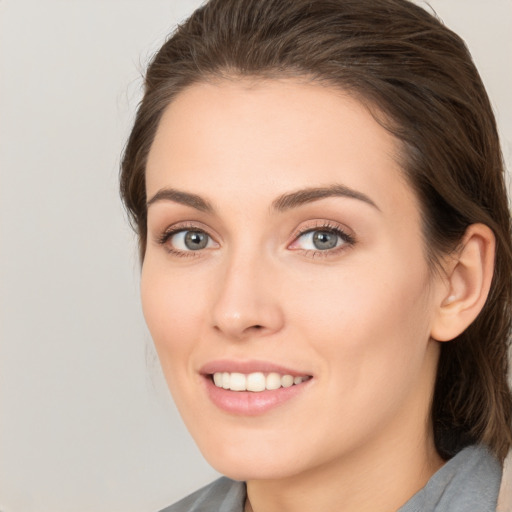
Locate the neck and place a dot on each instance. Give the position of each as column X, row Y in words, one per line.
column 372, row 480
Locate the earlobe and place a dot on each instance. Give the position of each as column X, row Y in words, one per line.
column 468, row 274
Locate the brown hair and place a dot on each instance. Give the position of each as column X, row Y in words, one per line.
column 405, row 64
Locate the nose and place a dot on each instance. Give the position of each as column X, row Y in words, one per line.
column 246, row 300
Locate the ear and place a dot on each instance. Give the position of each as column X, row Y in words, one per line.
column 468, row 276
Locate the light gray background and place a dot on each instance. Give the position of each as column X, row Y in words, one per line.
column 86, row 423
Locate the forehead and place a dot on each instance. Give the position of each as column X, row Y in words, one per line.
column 262, row 138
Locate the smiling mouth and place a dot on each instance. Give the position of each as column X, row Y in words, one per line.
column 256, row 381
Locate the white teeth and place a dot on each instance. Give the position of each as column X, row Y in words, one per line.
column 238, row 382
column 225, row 380
column 286, row 381
column 273, row 381
column 217, row 378
column 255, row 382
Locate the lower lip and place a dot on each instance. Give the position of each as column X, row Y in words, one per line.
column 248, row 403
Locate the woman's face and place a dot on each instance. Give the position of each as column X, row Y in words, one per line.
column 285, row 255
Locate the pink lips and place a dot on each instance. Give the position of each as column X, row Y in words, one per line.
column 250, row 403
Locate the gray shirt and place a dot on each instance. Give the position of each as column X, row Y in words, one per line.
column 469, row 482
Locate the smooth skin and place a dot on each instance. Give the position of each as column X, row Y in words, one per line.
column 361, row 317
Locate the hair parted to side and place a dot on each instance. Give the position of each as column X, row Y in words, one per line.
column 418, row 78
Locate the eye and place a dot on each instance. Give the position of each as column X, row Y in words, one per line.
column 190, row 240
column 180, row 241
column 322, row 239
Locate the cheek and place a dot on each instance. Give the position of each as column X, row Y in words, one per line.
column 372, row 319
column 172, row 309
column 372, row 340
column 349, row 301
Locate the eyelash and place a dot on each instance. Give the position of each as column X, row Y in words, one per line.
column 347, row 239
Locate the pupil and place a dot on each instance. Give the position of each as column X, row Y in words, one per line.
column 195, row 240
column 324, row 240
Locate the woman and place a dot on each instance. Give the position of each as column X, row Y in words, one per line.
column 326, row 257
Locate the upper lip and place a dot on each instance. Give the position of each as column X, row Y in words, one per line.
column 247, row 367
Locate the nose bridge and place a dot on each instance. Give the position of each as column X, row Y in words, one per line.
column 246, row 301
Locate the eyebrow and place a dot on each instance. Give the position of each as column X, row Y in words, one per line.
column 308, row 195
column 282, row 203
column 185, row 198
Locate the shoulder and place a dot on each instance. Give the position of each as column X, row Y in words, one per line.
column 467, row 483
column 222, row 495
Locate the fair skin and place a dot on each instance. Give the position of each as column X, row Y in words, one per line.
column 330, row 285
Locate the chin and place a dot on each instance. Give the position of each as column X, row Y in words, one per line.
column 245, row 468
column 261, row 459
